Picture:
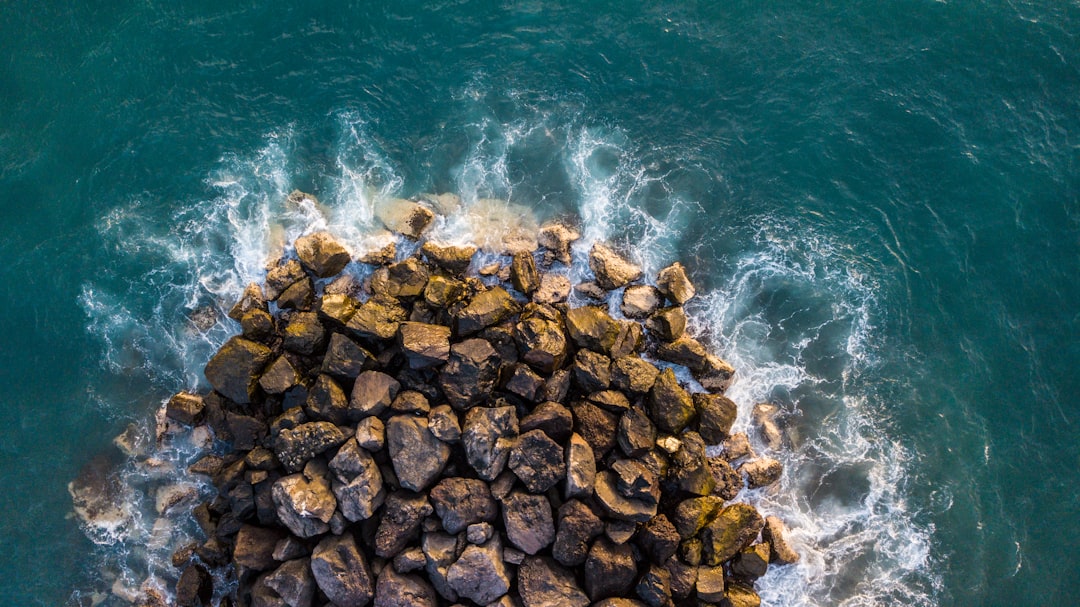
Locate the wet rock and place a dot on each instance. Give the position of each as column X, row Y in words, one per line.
column 403, row 590
column 523, row 274
column 590, row 290
column 255, row 547
column 667, row 324
column 257, row 325
column 690, row 468
column 543, row 583
column 345, row 359
column 405, row 217
column 234, row 371
column 380, row 256
column 764, row 415
column 610, row 570
column 618, row 602
column 400, row 523
column 611, row 269
column 335, row 309
column 488, row 308
column 372, row 394
column 635, row 481
column 442, row 292
column 751, row 562
column 528, row 521
column 195, row 587
column 281, row 277
column 480, row 574
column 670, row 406
column 636, row 433
column 342, row 572
column 674, row 284
column 326, row 401
column 692, row 515
column 169, row 499
column 304, row 505
column 593, row 328
column 299, row 296
column 556, row 387
column 321, row 254
column 659, row 539
column 444, row 425
column 358, row 485
column 557, row 238
column 279, row 376
column 732, row 530
column 295, row 446
column 711, row 584
column 251, row 299
column 418, row 456
column 738, row 595
column 578, row 525
column 633, row 375
column 630, row 340
column 424, row 345
column 580, row 467
column 761, row 472
column 683, row 578
column 640, row 301
column 654, row 587
column 617, row 505
column 540, row 339
column 553, row 289
column 520, row 380
column 592, row 371
column 775, row 534
column 371, row 434
column 610, row 400
column 736, row 447
column 728, row 481
column 487, row 435
column 304, row 334
column 185, row 407
column 470, row 373
column 716, row 415
column 451, row 258
column 377, row 318
column 597, row 426
column 717, row 375
column 537, row 461
column 552, row 418
column 460, row 502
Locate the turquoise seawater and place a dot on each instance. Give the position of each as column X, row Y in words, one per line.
column 879, row 201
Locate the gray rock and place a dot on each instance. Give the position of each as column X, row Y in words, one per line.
column 418, row 456
column 553, row 289
column 640, row 301
column 519, row 379
column 444, row 424
column 552, row 418
column 636, row 433
column 597, row 426
column 488, row 435
column 659, row 539
column 345, row 359
column 403, row 590
column 372, row 394
column 543, row 583
column 528, row 521
column 592, row 371
column 292, row 582
column 537, row 461
column 342, row 572
column 441, row 550
column 470, row 373
column 234, row 371
column 674, row 284
column 580, row 468
column 279, row 376
column 304, row 505
column 617, row 505
column 578, row 525
column 479, row 533
column 683, row 577
column 293, row 447
column 408, row 560
column 610, row 569
column 654, row 587
column 611, row 269
column 461, row 502
column 321, row 254
column 358, row 485
column 480, row 574
column 371, row 434
column 424, row 345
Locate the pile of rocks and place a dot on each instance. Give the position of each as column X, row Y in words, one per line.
column 428, row 439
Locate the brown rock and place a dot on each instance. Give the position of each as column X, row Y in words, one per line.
column 711, row 584
column 690, row 468
column 528, row 521
column 520, row 380
column 281, row 277
column 234, row 371
column 659, row 539
column 185, row 407
column 255, row 547
column 292, row 582
column 418, row 456
column 640, row 301
column 403, row 590
column 460, row 502
column 444, row 424
column 377, row 318
column 751, row 562
column 593, row 328
column 358, row 485
column 488, row 308
column 321, row 254
column 611, row 269
column 540, row 338
column 304, row 505
column 488, row 435
column 451, row 258
column 304, row 334
column 728, row 481
column 738, row 595
column 537, row 461
column 553, row 289
column 405, row 217
column 554, row 419
column 580, row 468
column 523, row 274
column 670, row 406
column 295, row 446
column 654, row 587
column 424, row 345
column 775, row 533
column 400, row 523
column 610, row 569
column 692, row 515
column 732, row 530
column 298, row 296
column 251, row 299
column 279, row 376
column 470, row 373
column 342, row 572
column 716, row 415
column 633, row 375
column 345, row 359
column 616, row 505
column 557, row 238
column 761, row 472
column 480, row 574
column 578, row 525
column 636, row 433
column 372, row 394
column 668, row 324
column 674, row 284
column 543, row 583
column 597, row 426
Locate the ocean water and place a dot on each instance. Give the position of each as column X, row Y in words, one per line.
column 879, row 203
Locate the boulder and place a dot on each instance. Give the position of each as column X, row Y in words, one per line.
column 578, row 525
column 424, row 345
column 654, row 587
column 523, row 274
column 410, row 559
column 775, row 534
column 540, row 339
column 400, row 522
column 460, row 502
column 618, row 506
column 299, row 296
column 640, row 301
column 537, row 461
column 580, row 468
column 610, row 400
column 689, row 467
column 739, row 595
column 670, row 406
column 185, row 407
column 732, row 530
column 761, row 472
column 304, row 334
column 751, row 562
column 440, row 551
column 488, row 308
column 358, row 483
column 403, row 590
column 610, row 569
column 470, row 373
column 377, row 318
column 630, row 340
column 592, row 371
column 557, row 238
column 341, row 571
column 716, row 414
column 528, row 521
column 293, row 447
column 728, row 481
column 234, row 371
column 451, row 258
column 543, row 583
column 692, row 515
column 257, row 325
column 479, row 533
column 281, row 277
column 327, row 402
column 683, row 577
column 292, row 582
column 380, row 256
column 335, row 309
column 611, row 269
column 736, row 447
column 372, row 394
column 553, row 289
column 345, row 359
column 254, row 547
column 593, row 328
column 636, row 433
column 405, row 217
column 552, row 418
column 251, row 299
column 519, row 379
column 371, row 434
column 480, row 574
column 304, row 505
column 596, row 425
column 659, row 539
column 634, row 480
column 764, row 415
column 711, row 584
column 717, row 374
column 674, row 284
column 321, row 254
column 195, row 588
column 488, row 435
column 418, row 457
column 279, row 376
column 633, row 375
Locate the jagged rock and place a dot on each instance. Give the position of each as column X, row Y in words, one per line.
column 692, row 515
column 683, row 577
column 636, row 433
column 403, row 590
column 732, row 530
column 654, row 587
column 690, row 551
column 400, row 523
column 292, row 582
column 659, row 539
column 304, row 334
column 480, row 574
column 668, row 324
column 670, row 406
column 490, row 269
column 630, row 340
column 590, row 290
column 381, row 256
column 528, row 522
column 592, row 371
column 245, row 430
column 610, row 569
column 519, row 379
column 634, row 480
column 537, row 461
column 440, row 552
column 321, row 254
column 640, row 301
column 611, row 269
column 460, row 502
column 341, row 571
column 335, row 309
column 195, row 587
column 543, row 583
column 234, row 371
column 479, row 533
column 728, row 481
column 580, row 467
column 633, row 375
column 304, row 505
column 371, row 434
column 279, row 376
column 281, row 277
column 597, row 426
column 540, row 338
column 610, row 400
column 327, row 402
column 523, row 274
column 738, row 595
column 554, row 419
column 617, row 505
column 377, row 318
column 424, row 345
column 257, row 325
column 578, row 525
column 775, row 534
column 751, row 562
column 736, row 447
column 764, row 415
column 295, row 446
column 761, row 472
column 487, row 434
column 716, row 415
column 299, row 296
column 444, row 424
column 405, row 217
column 442, row 292
column 674, row 284
column 345, row 359
column 593, row 328
column 553, row 289
column 556, row 387
column 418, row 456
column 251, row 299
column 255, row 547
column 185, row 408
column 410, row 559
column 689, row 467
column 710, row 584
column 358, row 485
column 372, row 394
column 488, row 308
column 557, row 238
column 451, row 258
column 470, row 373
column 717, row 375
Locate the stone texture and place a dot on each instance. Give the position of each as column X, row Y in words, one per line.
column 552, row 418
column 732, row 530
column 480, row 574
column 593, row 328
column 341, row 571
column 425, row 345
column 523, row 274
column 403, row 590
column 558, row 238
column 304, row 334
column 578, row 525
column 610, row 570
column 537, row 461
column 358, row 483
column 304, row 505
column 234, row 371
column 488, row 435
column 674, row 284
column 543, row 583
column 279, row 376
column 618, row 506
column 670, row 406
column 775, row 534
column 460, row 502
column 580, row 468
column 761, row 472
column 553, row 289
column 327, row 402
column 640, row 301
column 295, row 446
column 377, row 318
column 418, row 457
column 444, row 424
column 633, row 375
column 667, row 324
column 454, row 259
column 611, row 269
column 254, row 547
column 372, row 394
column 540, row 338
column 400, row 522
column 528, row 521
column 488, row 308
column 470, row 373
column 716, row 414
column 321, row 254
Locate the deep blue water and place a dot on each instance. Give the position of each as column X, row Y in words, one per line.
column 880, row 203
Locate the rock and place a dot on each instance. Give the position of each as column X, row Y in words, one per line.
column 292, row 582
column 552, row 418
column 728, row 481
column 405, row 217
column 451, row 258
column 553, row 289
column 659, row 539
column 523, row 274
column 611, row 269
column 667, row 324
column 717, row 375
column 424, row 345
column 442, row 292
column 520, row 380
column 304, row 505
column 543, row 583
column 590, row 290
column 610, row 400
column 630, row 340
column 670, row 405
column 295, row 446
column 736, row 447
column 444, row 425
column 254, row 547
column 540, row 339
column 321, row 255
column 358, row 485
column 751, row 562
column 674, row 284
column 654, row 587
column 377, row 318
column 403, row 590
column 185, row 408
column 381, row 256
column 710, row 584
column 234, row 370
column 732, row 530
column 618, row 602
column 775, row 534
column 173, row 498
column 327, row 402
column 279, row 376
column 251, row 299
column 620, row 532
column 418, row 456
column 490, row 269
column 761, row 472
column 195, row 587
column 299, row 296
column 257, row 325
column 341, row 571
column 345, row 359
column 304, row 334
column 371, row 434
column 400, row 523
column 738, row 595
column 597, row 426
column 683, row 578
column 593, row 328
column 246, row 431
column 689, row 467
column 578, row 525
column 487, row 435
column 460, row 502
column 488, row 308
column 617, row 505
column 635, row 481
column 440, row 552
column 633, row 375
column 716, row 415
column 372, row 394
column 692, row 515
column 479, row 533
column 281, row 277
column 640, row 301
column 764, row 415
column 557, row 238
column 528, row 522
column 470, row 373
column 556, row 387
column 690, row 551
column 537, row 461
column 636, row 433
column 592, row 371
column 610, row 569
column 410, row 559
column 480, row 574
